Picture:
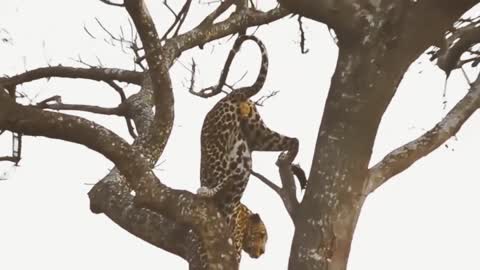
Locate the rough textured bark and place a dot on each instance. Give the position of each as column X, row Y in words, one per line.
column 378, row 39
column 172, row 213
column 374, row 53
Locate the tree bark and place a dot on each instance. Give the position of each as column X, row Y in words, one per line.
column 373, row 56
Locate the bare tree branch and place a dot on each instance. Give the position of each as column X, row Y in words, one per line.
column 9, row 158
column 403, row 157
column 179, row 18
column 181, row 206
column 112, row 196
column 267, row 182
column 290, row 203
column 111, row 3
column 119, row 110
column 157, row 137
column 214, row 90
column 123, row 99
column 234, row 24
column 217, row 12
column 302, row 35
column 96, row 74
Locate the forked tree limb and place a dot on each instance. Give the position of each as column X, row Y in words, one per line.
column 182, row 206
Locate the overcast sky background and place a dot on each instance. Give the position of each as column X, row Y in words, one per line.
column 425, row 218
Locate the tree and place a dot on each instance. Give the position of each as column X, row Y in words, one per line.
column 377, row 41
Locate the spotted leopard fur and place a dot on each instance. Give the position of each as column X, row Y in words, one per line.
column 231, row 130
column 250, row 231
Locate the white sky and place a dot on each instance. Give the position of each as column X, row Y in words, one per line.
column 425, row 218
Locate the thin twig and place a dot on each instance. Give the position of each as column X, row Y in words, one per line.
column 302, row 35
column 264, row 98
column 112, row 4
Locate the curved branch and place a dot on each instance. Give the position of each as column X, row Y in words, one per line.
column 403, row 157
column 181, row 206
column 110, row 3
column 112, row 196
column 158, row 79
column 219, row 252
column 234, row 24
column 96, row 74
column 214, row 90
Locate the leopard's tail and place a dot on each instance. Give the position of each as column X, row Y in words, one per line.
column 248, row 91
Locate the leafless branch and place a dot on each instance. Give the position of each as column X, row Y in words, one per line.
column 112, row 4
column 58, row 105
column 9, row 158
column 123, row 98
column 88, row 32
column 96, row 74
column 267, row 182
column 83, row 62
column 214, row 90
column 264, row 98
column 286, row 194
column 190, row 211
column 302, row 35
column 117, row 89
column 179, row 18
column 192, row 79
column 216, row 13
column 403, row 157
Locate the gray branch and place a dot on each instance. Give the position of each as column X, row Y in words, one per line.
column 403, row 157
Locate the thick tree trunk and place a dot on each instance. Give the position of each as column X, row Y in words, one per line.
column 367, row 75
column 360, row 93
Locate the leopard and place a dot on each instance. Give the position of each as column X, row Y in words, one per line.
column 251, row 232
column 231, row 130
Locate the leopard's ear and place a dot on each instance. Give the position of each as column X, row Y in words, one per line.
column 255, row 218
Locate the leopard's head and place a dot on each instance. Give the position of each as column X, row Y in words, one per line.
column 256, row 236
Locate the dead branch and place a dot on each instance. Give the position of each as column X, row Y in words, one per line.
column 112, row 4
column 264, row 98
column 123, row 99
column 214, row 90
column 210, row 229
column 290, row 203
column 150, row 192
column 9, row 158
column 236, row 23
column 302, row 36
column 216, row 13
column 403, row 157
column 179, row 18
column 96, row 74
column 120, row 111
column 117, row 89
column 267, row 182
